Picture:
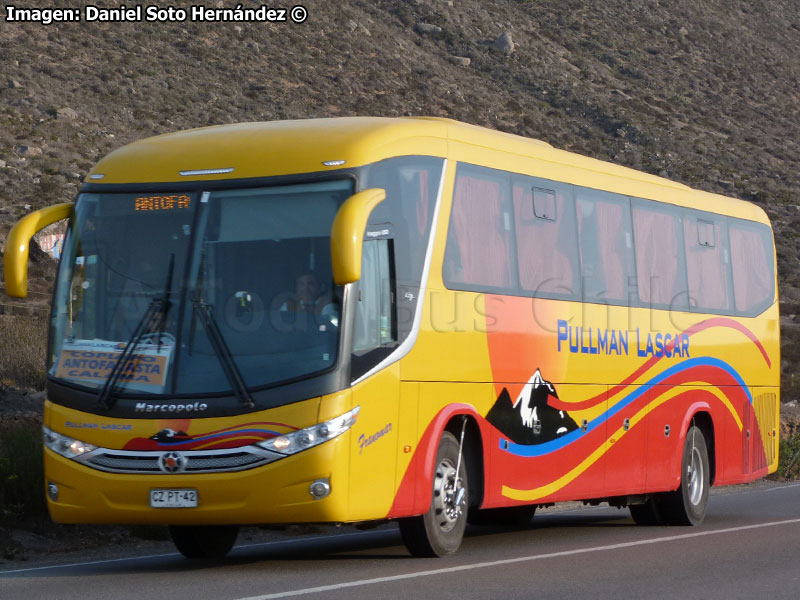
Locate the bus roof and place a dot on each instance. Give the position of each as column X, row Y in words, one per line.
column 255, row 150
column 270, row 148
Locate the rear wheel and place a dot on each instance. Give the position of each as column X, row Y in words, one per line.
column 439, row 531
column 687, row 505
column 194, row 541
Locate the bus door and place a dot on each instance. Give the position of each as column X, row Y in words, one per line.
column 376, row 390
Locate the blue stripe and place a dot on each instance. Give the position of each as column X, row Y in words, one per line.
column 572, row 436
column 217, row 435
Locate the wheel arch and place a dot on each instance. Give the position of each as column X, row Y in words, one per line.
column 414, row 494
column 473, row 454
column 700, row 415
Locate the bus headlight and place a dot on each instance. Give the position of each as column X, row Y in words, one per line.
column 303, row 439
column 64, row 445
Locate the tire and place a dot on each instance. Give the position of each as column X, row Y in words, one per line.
column 647, row 514
column 440, row 530
column 194, row 541
column 508, row 516
column 687, row 505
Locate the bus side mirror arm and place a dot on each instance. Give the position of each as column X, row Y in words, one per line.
column 15, row 259
column 347, row 234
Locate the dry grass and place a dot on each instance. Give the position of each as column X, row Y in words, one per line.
column 22, row 351
column 21, row 476
column 789, row 464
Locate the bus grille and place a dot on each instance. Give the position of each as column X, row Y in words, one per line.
column 766, row 409
column 198, row 461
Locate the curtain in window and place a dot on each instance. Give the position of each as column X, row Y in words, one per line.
column 604, row 249
column 752, row 269
column 706, row 267
column 613, row 248
column 544, row 262
column 657, row 256
column 481, row 255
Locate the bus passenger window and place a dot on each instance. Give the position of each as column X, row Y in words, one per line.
column 753, row 266
column 660, row 260
column 479, row 237
column 605, row 245
column 707, row 263
column 545, row 231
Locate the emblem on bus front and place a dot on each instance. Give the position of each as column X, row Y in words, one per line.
column 172, row 462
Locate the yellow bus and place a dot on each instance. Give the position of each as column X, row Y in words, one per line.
column 414, row 319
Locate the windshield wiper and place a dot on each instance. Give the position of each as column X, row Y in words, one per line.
column 223, row 352
column 154, row 319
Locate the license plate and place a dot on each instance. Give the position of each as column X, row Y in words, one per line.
column 176, row 498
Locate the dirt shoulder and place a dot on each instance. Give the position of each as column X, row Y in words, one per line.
column 790, row 417
column 21, row 406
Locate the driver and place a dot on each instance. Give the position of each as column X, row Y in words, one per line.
column 307, row 298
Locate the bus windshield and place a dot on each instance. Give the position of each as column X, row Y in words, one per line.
column 247, row 273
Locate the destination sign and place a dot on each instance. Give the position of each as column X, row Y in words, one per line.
column 92, row 361
column 151, row 203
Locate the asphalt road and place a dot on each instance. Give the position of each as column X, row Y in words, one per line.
column 748, row 547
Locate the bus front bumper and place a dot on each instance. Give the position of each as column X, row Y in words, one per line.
column 279, row 492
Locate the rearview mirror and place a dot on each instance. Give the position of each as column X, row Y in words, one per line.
column 15, row 259
column 347, row 234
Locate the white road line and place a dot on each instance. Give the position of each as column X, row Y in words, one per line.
column 368, row 533
column 133, row 558
column 782, row 487
column 510, row 561
column 94, row 562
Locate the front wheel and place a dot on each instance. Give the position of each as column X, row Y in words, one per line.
column 687, row 505
column 208, row 541
column 439, row 531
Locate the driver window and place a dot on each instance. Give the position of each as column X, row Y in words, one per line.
column 375, row 327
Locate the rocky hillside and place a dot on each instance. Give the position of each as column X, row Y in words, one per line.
column 701, row 92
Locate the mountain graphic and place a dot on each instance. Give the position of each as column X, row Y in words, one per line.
column 529, row 419
column 170, row 436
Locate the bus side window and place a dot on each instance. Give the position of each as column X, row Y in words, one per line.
column 605, row 245
column 479, row 242
column 375, row 332
column 412, row 185
column 753, row 266
column 660, row 259
column 544, row 216
column 707, row 262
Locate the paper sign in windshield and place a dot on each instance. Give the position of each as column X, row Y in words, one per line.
column 91, row 361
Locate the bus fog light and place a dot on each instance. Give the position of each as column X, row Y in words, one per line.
column 320, row 489
column 52, row 491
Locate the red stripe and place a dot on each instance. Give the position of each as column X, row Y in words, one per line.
column 698, row 327
column 242, row 426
